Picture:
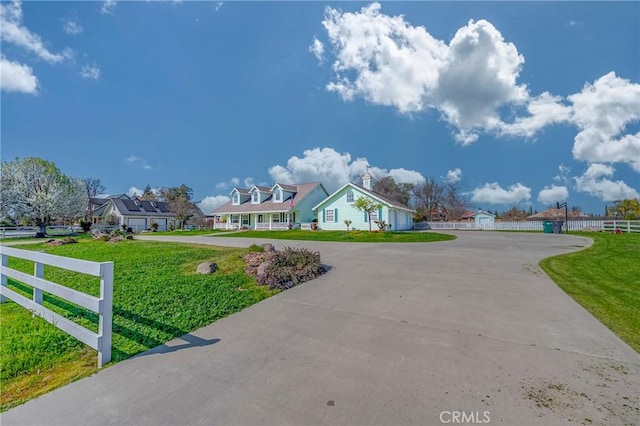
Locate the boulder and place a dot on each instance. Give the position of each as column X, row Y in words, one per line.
column 207, row 268
column 262, row 268
column 268, row 247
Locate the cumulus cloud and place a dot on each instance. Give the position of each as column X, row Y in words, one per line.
column 493, row 193
column 132, row 159
column 90, row 72
column 210, row 203
column 595, row 181
column 317, row 48
column 563, row 174
column 387, row 61
column 134, row 191
column 454, row 176
column 602, row 111
column 552, row 194
column 334, row 169
column 17, row 77
column 13, row 31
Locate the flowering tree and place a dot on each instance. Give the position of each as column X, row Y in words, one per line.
column 36, row 190
column 368, row 205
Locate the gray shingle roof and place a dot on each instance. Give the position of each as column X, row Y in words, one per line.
column 300, row 190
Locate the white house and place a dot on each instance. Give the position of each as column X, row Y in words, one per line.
column 480, row 217
column 280, row 206
column 338, row 207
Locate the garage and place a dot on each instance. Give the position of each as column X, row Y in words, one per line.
column 162, row 223
column 137, row 224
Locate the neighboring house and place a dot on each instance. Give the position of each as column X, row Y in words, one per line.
column 553, row 213
column 98, row 204
column 277, row 207
column 338, row 207
column 480, row 217
column 138, row 214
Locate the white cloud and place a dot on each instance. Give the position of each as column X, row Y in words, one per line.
column 108, row 6
column 16, row 77
column 13, row 31
column 248, row 182
column 133, row 191
column 317, row 48
column 601, row 112
column 552, row 194
column 235, row 181
column 454, row 176
column 221, row 185
column 72, row 27
column 210, row 203
column 90, row 72
column 563, row 174
column 387, row 61
column 219, row 5
column 132, row 159
column 595, row 182
column 494, row 194
column 334, row 169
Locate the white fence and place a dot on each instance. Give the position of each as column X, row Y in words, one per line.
column 102, row 305
column 574, row 225
column 30, row 231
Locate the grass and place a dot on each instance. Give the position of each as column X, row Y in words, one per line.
column 605, row 280
column 157, row 297
column 193, row 232
column 351, row 236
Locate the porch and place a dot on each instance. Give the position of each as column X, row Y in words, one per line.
column 258, row 221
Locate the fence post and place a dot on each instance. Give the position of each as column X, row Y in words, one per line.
column 106, row 313
column 3, row 279
column 628, row 227
column 38, row 272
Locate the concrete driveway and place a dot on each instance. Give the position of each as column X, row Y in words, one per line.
column 465, row 331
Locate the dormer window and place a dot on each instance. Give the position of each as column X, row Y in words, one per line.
column 277, row 195
column 255, row 197
column 236, row 198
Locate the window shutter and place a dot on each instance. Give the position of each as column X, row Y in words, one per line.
column 380, row 214
column 335, row 214
column 366, row 217
column 323, row 215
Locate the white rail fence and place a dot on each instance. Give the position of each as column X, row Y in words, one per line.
column 574, row 225
column 102, row 305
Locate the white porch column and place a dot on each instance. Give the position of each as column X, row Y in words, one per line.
column 270, row 219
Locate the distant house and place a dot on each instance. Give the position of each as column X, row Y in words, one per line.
column 97, row 205
column 280, row 206
column 479, row 217
column 139, row 214
column 553, row 213
column 338, row 207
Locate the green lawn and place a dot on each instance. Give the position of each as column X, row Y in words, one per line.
column 605, row 280
column 157, row 296
column 351, row 236
column 180, row 232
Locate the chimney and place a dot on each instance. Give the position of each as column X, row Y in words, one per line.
column 366, row 181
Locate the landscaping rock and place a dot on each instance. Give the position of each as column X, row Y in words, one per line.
column 268, row 247
column 262, row 268
column 207, row 268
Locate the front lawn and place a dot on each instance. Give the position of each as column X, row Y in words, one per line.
column 605, row 280
column 157, row 297
column 347, row 236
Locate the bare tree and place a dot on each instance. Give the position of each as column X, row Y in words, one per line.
column 439, row 199
column 93, row 187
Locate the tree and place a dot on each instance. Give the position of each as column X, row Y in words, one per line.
column 628, row 209
column 93, row 187
column 367, row 205
column 36, row 190
column 439, row 199
column 179, row 200
column 388, row 187
column 148, row 194
column 514, row 214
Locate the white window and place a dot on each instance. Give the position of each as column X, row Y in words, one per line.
column 328, row 215
column 374, row 215
column 277, row 195
column 236, row 198
column 255, row 197
column 349, row 196
column 275, row 217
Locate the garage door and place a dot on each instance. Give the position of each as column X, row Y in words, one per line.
column 402, row 221
column 162, row 224
column 137, row 224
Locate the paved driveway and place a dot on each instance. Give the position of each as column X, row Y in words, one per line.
column 394, row 334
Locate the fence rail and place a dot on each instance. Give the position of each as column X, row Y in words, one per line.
column 573, row 225
column 102, row 305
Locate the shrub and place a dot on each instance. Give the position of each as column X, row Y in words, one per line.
column 291, row 267
column 85, row 225
column 255, row 248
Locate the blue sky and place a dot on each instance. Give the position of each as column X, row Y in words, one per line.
column 522, row 103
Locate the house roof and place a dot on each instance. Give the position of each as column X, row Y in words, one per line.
column 554, row 213
column 383, row 199
column 244, row 191
column 299, row 190
column 261, row 188
column 469, row 214
column 142, row 208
